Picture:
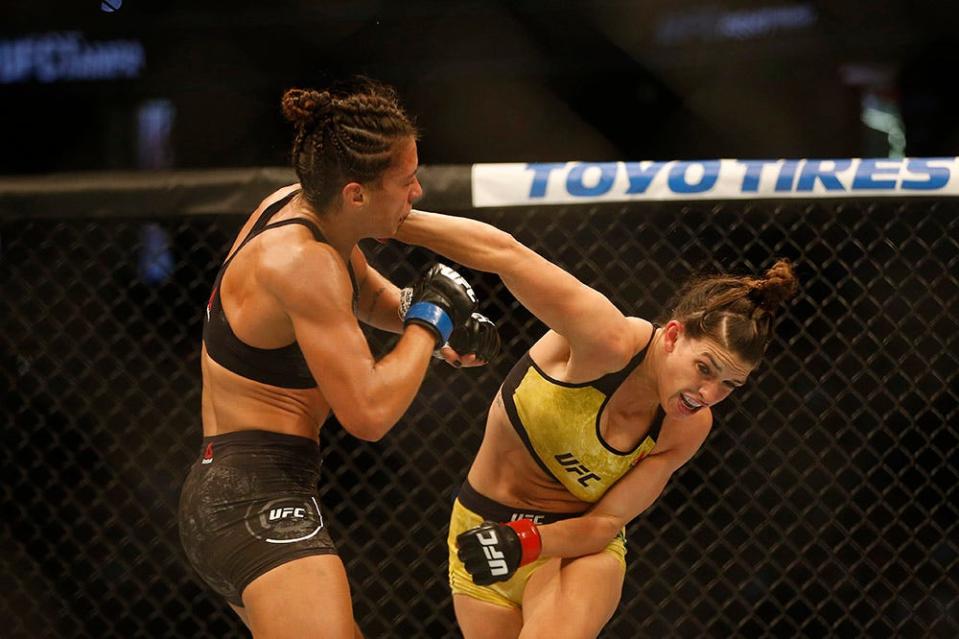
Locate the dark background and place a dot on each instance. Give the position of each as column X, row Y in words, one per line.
column 824, row 503
column 495, row 81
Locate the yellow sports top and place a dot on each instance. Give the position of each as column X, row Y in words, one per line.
column 559, row 423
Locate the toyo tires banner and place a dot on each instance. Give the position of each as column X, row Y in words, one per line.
column 574, row 182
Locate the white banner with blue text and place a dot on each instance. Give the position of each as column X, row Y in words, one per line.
column 517, row 184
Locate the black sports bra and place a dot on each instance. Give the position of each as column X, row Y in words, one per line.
column 285, row 366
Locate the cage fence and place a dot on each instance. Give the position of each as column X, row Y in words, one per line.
column 822, row 504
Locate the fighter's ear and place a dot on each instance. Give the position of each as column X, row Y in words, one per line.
column 671, row 334
column 353, row 194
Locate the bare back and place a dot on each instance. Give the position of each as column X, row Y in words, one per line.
column 230, row 401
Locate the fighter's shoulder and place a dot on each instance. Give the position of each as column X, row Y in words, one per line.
column 640, row 332
column 301, row 267
column 684, row 437
column 637, row 335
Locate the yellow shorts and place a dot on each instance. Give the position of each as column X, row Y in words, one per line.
column 504, row 593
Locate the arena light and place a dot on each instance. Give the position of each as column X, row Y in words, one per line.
column 714, row 24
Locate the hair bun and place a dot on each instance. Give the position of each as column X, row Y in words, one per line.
column 306, row 107
column 777, row 286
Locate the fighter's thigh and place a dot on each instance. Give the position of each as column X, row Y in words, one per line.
column 483, row 620
column 572, row 598
column 307, row 597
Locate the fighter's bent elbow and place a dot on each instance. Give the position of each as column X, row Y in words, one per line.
column 369, row 426
column 506, row 248
column 603, row 529
column 366, row 433
column 514, row 247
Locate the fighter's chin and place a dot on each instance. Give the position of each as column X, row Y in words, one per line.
column 399, row 224
column 384, row 238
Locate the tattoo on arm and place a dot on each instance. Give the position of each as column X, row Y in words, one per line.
column 376, row 298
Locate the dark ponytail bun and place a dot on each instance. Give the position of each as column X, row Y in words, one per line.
column 776, row 287
column 306, row 107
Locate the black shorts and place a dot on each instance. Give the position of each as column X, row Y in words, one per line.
column 250, row 504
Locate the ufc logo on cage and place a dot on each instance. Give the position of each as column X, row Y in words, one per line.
column 494, row 557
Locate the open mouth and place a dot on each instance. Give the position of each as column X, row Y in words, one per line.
column 688, row 403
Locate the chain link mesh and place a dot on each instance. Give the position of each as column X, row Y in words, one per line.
column 822, row 504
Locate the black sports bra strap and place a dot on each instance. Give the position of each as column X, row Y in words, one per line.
column 270, row 211
column 262, row 223
column 657, row 424
column 317, row 234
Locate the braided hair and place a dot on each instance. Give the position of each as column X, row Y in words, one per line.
column 344, row 134
column 735, row 312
